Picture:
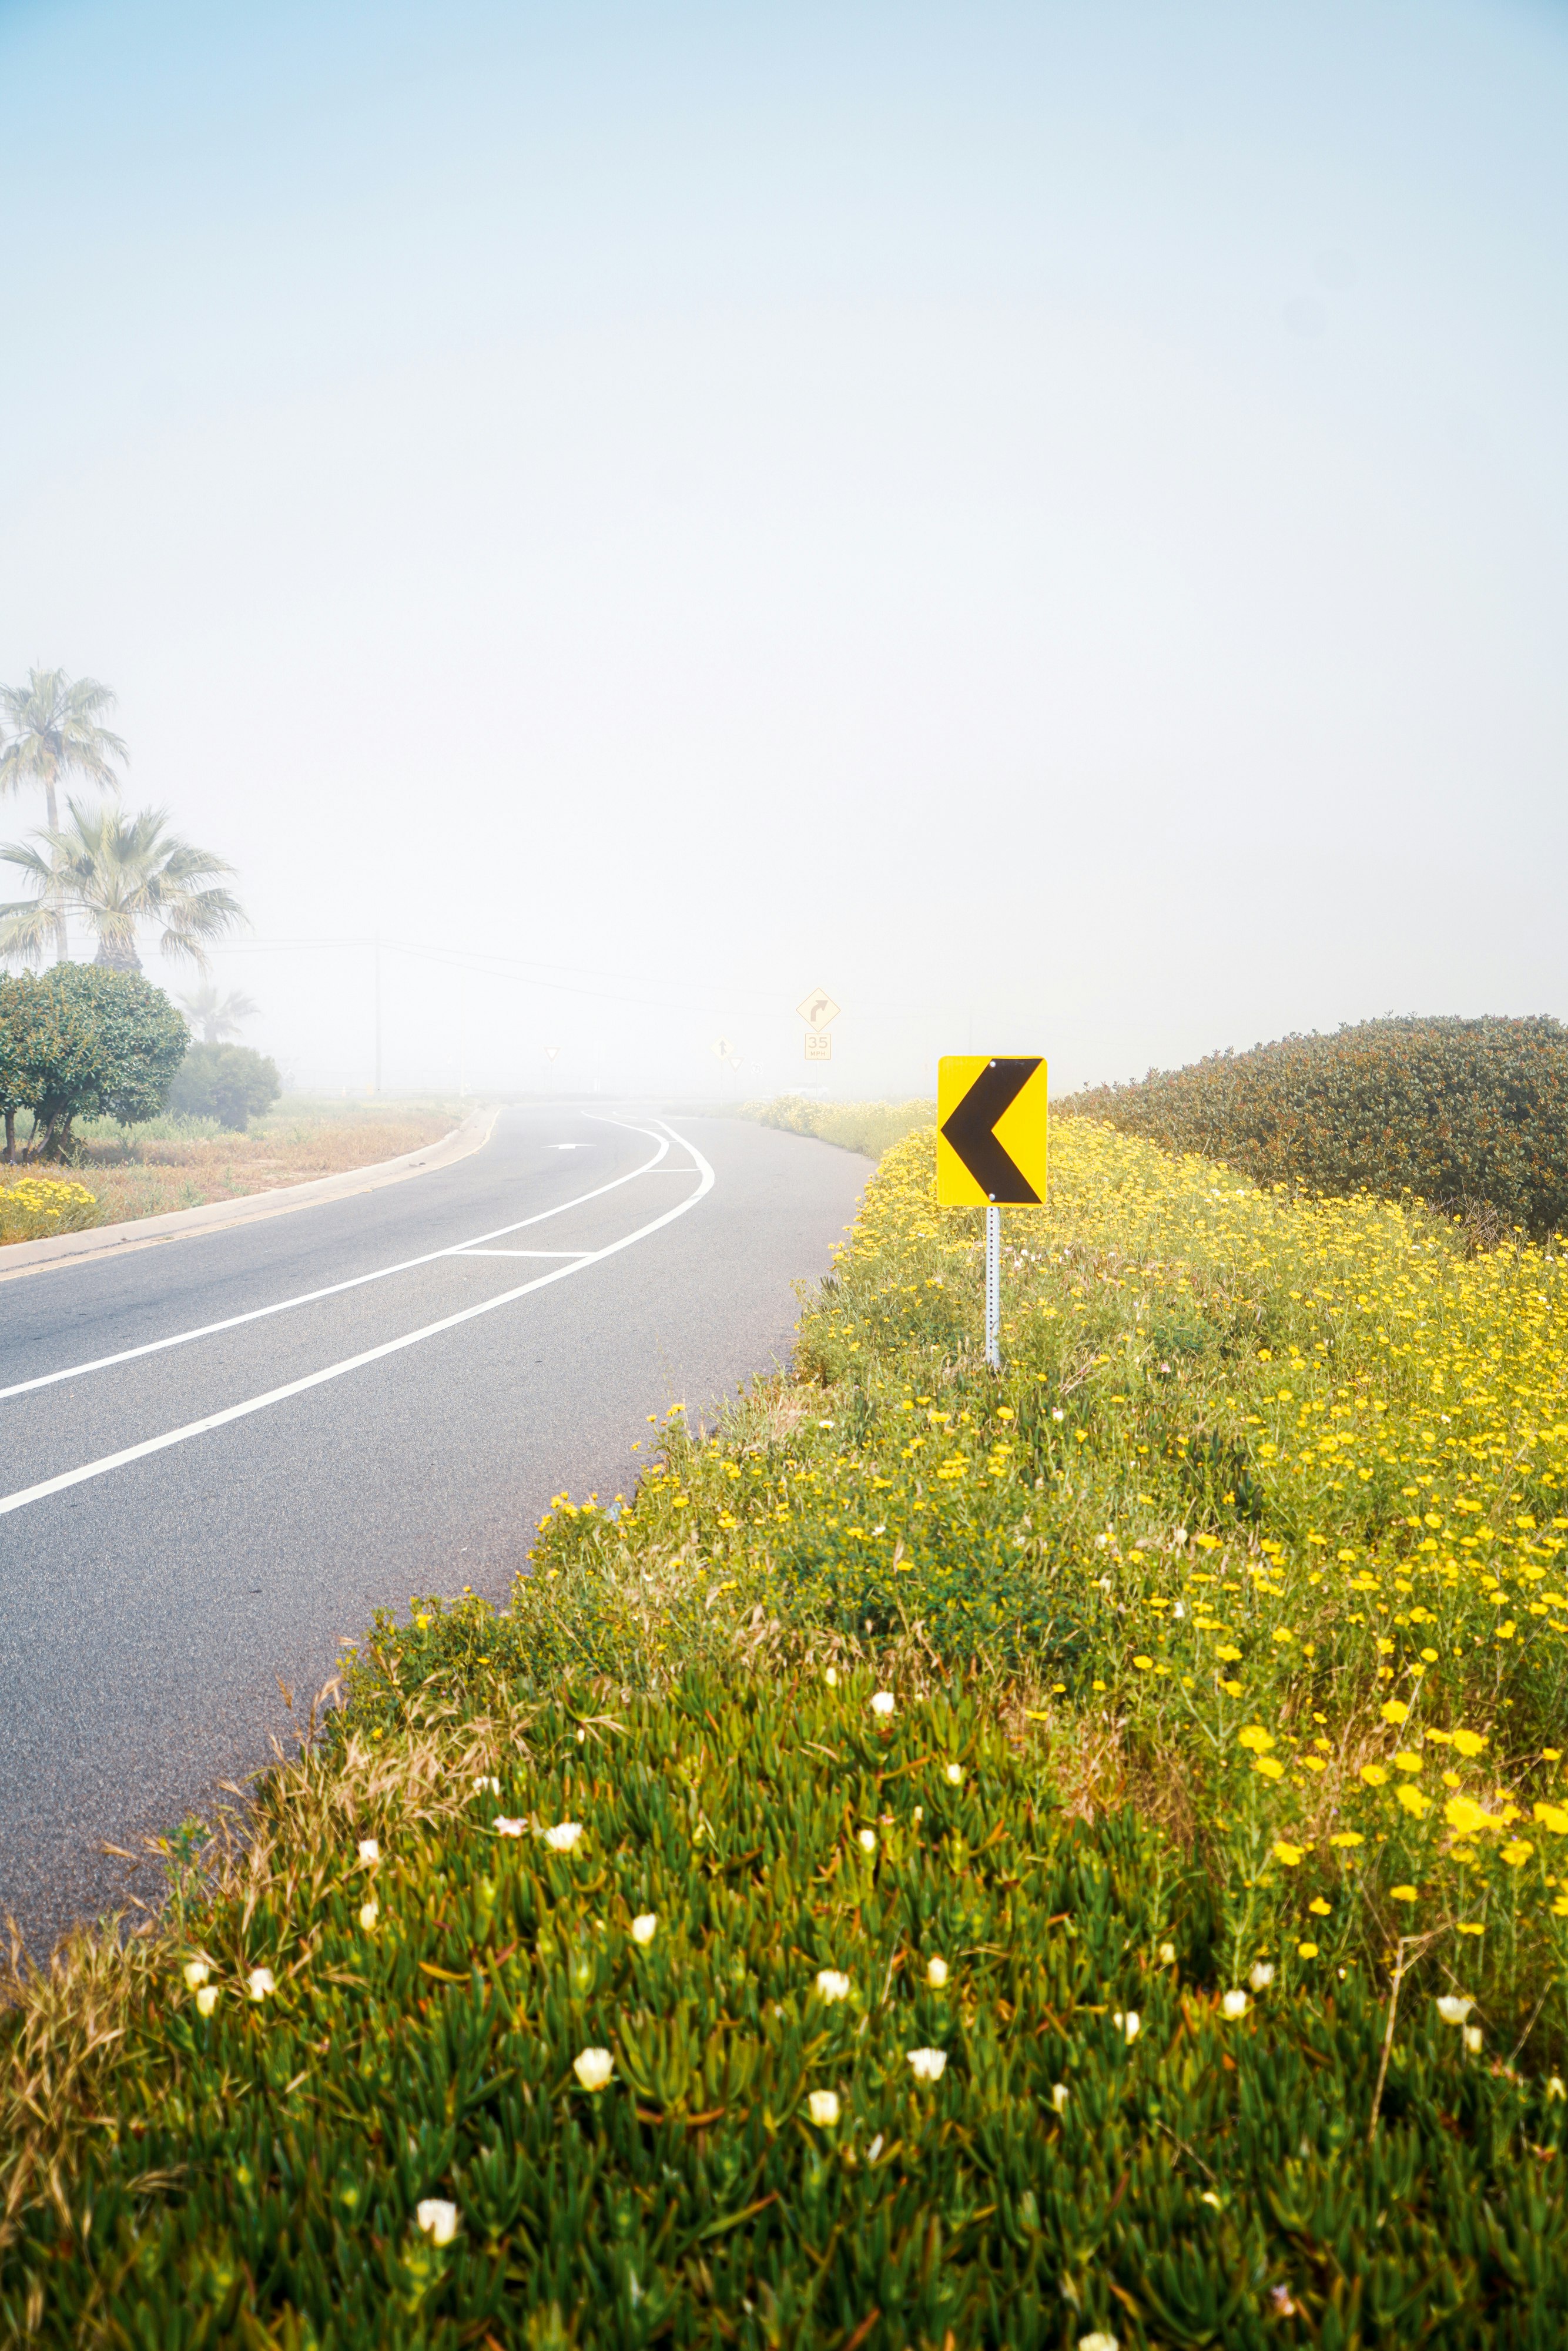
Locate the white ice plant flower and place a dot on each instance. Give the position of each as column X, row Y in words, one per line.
column 196, row 1972
column 866, row 1840
column 883, row 1702
column 1555, row 2087
column 831, row 1985
column 207, row 1999
column 1098, row 2341
column 1234, row 2004
column 1059, row 2097
column 593, row 2068
column 823, row 2106
column 1452, row 2009
column 644, row 1927
column 1261, row 1977
column 437, row 2219
column 565, row 1836
column 370, row 1851
column 955, row 1775
column 503, row 1826
column 831, row 1678
column 486, row 1784
column 259, row 1982
column 369, row 1913
column 936, row 1972
column 929, row 2065
column 1473, row 2039
column 1168, row 1955
column 1129, row 2026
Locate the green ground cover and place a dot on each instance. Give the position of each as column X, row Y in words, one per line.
column 948, row 1860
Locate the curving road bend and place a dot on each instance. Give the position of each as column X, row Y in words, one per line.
column 219, row 1455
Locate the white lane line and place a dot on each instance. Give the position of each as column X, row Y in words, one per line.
column 356, row 1281
column 100, row 1469
column 484, row 1253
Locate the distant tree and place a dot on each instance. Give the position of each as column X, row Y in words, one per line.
column 80, row 1041
column 229, row 1083
column 218, row 1016
column 121, row 873
column 49, row 731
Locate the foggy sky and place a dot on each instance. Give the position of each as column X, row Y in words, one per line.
column 1048, row 521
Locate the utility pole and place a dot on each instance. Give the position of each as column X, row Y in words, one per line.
column 378, row 1087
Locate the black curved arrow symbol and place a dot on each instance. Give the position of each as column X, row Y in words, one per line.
column 971, row 1130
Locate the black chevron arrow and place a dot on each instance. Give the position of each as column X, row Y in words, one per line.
column 971, row 1130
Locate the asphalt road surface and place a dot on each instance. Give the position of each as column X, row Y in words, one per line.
column 396, row 1385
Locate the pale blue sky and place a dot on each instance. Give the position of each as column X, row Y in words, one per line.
column 1048, row 518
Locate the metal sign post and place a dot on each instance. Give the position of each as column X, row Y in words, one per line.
column 994, row 1288
column 991, row 1150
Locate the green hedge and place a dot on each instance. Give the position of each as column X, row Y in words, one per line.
column 1464, row 1113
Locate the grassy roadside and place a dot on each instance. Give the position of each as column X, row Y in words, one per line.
column 952, row 1861
column 872, row 1127
column 142, row 1171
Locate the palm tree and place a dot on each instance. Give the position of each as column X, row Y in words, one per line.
column 217, row 1016
column 120, row 874
column 49, row 730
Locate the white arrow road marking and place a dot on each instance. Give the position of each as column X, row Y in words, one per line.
column 100, row 1469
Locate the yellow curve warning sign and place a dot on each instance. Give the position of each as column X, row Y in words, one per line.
column 990, row 1130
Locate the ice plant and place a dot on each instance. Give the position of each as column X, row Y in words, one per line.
column 936, row 1972
column 644, row 1927
column 1128, row 2025
column 1234, row 2004
column 564, row 1837
column 831, row 1985
column 196, row 1972
column 259, row 1982
column 593, row 2068
column 504, row 1827
column 207, row 1999
column 369, row 1913
column 929, row 2065
column 1452, row 2009
column 883, row 1702
column 823, row 2107
column 437, row 2220
column 370, row 1850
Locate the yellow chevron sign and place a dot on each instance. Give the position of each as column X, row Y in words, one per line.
column 990, row 1130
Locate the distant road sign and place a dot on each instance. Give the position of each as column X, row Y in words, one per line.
column 550, row 1052
column 818, row 1011
column 990, row 1130
column 819, row 1048
column 735, row 1060
column 723, row 1047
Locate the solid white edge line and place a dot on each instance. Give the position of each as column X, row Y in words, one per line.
column 358, row 1280
column 100, row 1468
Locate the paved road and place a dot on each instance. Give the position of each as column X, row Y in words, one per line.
column 402, row 1433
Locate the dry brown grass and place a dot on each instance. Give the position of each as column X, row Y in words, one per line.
column 146, row 1178
column 87, row 2012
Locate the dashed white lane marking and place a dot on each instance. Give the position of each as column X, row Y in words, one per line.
column 130, row 1453
column 357, row 1280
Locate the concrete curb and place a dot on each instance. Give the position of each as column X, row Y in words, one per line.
column 252, row 1208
